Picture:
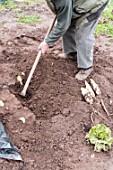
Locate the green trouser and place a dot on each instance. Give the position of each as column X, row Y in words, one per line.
column 81, row 41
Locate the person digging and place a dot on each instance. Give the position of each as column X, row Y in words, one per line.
column 76, row 24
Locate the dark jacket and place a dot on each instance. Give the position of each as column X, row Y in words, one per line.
column 80, row 11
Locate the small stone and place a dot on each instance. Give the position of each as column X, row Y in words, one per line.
column 5, row 86
column 9, row 43
column 7, row 108
column 35, row 106
column 64, row 82
column 66, row 111
column 111, row 102
column 35, row 165
column 72, row 115
column 71, row 143
column 71, row 131
column 1, row 161
column 54, row 120
column 35, row 98
column 24, row 138
column 19, row 107
column 93, row 155
column 31, row 106
column 61, row 146
column 57, row 112
column 56, row 52
column 43, row 108
column 21, row 130
column 1, row 86
column 58, row 168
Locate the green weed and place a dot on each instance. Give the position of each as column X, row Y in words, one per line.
column 28, row 19
column 2, row 8
column 108, row 12
column 31, row 2
column 105, row 29
column 105, row 26
column 11, row 4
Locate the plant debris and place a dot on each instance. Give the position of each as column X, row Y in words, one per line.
column 1, row 103
column 22, row 119
column 19, row 79
column 104, row 107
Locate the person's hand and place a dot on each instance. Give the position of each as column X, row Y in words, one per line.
column 43, row 47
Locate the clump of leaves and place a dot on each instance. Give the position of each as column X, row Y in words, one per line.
column 105, row 29
column 108, row 12
column 30, row 2
column 11, row 4
column 100, row 136
column 2, row 8
column 105, row 26
column 28, row 19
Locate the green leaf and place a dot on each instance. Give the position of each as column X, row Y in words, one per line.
column 100, row 136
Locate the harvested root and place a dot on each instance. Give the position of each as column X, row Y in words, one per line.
column 89, row 88
column 95, row 111
column 87, row 95
column 104, row 107
column 95, row 87
column 84, row 91
column 92, row 118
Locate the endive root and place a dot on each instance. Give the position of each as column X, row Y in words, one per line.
column 104, row 107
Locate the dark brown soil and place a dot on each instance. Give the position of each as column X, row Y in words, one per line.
column 57, row 117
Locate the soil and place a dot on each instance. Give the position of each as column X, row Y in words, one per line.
column 57, row 117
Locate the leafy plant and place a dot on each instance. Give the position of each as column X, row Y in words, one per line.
column 2, row 8
column 28, row 19
column 11, row 4
column 105, row 26
column 108, row 11
column 30, row 2
column 100, row 136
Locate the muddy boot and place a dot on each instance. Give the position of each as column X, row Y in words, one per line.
column 83, row 74
column 71, row 56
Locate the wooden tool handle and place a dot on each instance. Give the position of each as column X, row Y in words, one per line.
column 23, row 93
column 50, row 28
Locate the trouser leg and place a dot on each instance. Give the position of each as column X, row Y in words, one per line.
column 68, row 40
column 85, row 41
